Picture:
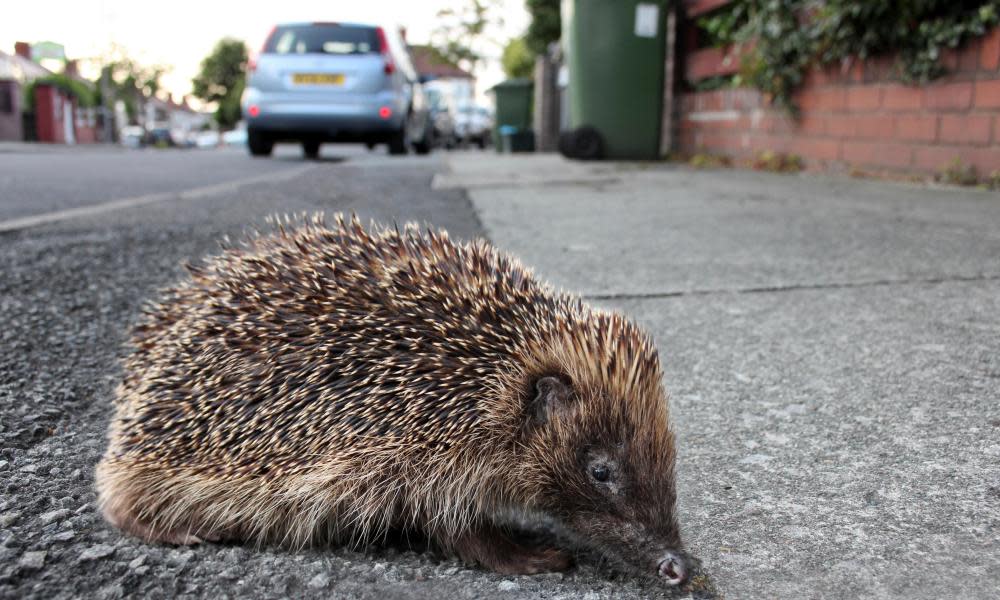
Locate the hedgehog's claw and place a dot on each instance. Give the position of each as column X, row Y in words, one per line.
column 493, row 549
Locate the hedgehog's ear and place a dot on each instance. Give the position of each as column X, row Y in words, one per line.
column 552, row 397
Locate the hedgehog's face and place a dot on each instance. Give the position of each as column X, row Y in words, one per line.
column 609, row 477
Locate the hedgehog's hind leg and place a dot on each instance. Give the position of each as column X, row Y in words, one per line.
column 492, row 548
column 134, row 508
column 148, row 533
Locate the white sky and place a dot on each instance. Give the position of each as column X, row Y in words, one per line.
column 179, row 33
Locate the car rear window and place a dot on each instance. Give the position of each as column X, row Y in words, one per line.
column 325, row 38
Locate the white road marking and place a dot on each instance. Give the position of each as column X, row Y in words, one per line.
column 134, row 201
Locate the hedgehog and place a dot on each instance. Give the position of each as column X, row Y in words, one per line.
column 333, row 384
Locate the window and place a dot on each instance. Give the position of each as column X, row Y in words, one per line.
column 322, row 38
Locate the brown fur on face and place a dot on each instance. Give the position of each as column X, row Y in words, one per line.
column 335, row 383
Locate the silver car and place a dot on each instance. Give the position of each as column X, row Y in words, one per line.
column 334, row 82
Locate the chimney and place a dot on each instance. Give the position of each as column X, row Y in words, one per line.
column 71, row 69
column 22, row 49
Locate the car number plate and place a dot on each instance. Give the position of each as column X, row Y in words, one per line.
column 318, row 79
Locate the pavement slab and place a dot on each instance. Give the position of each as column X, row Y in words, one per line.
column 832, row 348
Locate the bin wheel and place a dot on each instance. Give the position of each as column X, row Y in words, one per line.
column 583, row 143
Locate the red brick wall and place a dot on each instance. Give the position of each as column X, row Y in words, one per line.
column 861, row 118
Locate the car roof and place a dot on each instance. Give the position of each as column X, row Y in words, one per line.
column 344, row 23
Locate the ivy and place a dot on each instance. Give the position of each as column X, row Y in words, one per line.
column 786, row 38
column 83, row 92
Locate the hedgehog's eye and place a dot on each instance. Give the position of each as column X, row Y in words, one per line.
column 600, row 473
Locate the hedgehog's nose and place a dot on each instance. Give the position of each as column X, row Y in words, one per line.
column 672, row 569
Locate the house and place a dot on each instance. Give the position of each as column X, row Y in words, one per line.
column 459, row 84
column 16, row 70
column 178, row 118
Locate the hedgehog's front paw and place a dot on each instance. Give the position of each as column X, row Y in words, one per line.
column 538, row 560
column 493, row 549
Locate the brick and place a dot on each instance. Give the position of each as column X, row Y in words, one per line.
column 895, row 155
column 860, row 126
column 874, row 153
column 988, row 93
column 825, row 99
column 708, row 101
column 955, row 96
column 874, row 127
column 810, row 124
column 986, row 160
column 860, row 152
column 935, row 158
column 902, row 97
column 917, row 128
column 840, row 126
column 878, row 69
column 816, row 148
column 968, row 56
column 989, row 51
column 966, row 129
column 949, row 59
column 864, row 97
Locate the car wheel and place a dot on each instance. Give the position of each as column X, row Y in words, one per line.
column 310, row 150
column 260, row 144
column 397, row 143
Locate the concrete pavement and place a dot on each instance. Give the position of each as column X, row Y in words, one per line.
column 832, row 348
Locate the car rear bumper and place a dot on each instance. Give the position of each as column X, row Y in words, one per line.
column 356, row 120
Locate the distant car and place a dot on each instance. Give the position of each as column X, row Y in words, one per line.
column 132, row 136
column 473, row 125
column 335, row 82
column 160, row 137
column 207, row 139
column 442, row 117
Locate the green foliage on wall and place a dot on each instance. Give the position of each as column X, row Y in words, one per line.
column 785, row 38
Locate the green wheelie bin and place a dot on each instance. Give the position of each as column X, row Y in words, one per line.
column 514, row 99
column 615, row 52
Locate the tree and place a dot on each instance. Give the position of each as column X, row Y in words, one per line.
column 545, row 27
column 517, row 60
column 122, row 78
column 459, row 36
column 222, row 78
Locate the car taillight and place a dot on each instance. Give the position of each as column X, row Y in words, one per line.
column 253, row 110
column 385, row 112
column 383, row 49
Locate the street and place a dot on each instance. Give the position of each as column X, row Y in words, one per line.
column 830, row 346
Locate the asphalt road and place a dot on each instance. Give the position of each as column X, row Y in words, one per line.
column 86, row 236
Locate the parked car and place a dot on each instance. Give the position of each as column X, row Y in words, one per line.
column 132, row 136
column 160, row 137
column 442, row 117
column 207, row 139
column 473, row 125
column 335, row 82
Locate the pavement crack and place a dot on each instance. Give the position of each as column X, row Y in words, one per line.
column 793, row 287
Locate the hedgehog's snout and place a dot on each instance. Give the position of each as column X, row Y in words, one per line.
column 672, row 569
